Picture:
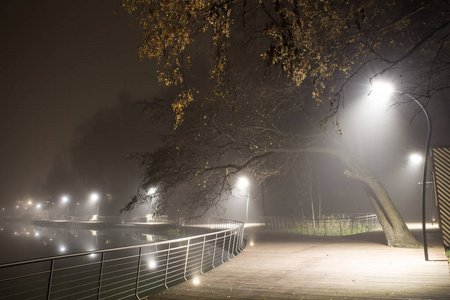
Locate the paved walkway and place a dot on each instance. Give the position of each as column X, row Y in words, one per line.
column 289, row 266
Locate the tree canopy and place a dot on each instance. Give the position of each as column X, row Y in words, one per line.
column 324, row 44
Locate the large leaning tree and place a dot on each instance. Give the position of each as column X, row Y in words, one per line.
column 247, row 71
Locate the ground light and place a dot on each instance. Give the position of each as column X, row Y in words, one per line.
column 385, row 90
column 196, row 281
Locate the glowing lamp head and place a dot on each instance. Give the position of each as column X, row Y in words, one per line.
column 381, row 90
column 151, row 191
column 415, row 158
column 94, row 197
column 243, row 182
column 196, row 281
column 65, row 199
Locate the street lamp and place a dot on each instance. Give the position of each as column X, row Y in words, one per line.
column 415, row 158
column 95, row 198
column 383, row 89
column 65, row 200
column 244, row 183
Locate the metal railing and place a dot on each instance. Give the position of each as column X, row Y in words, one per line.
column 325, row 226
column 123, row 273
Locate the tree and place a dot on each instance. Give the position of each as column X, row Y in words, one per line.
column 326, row 43
column 245, row 122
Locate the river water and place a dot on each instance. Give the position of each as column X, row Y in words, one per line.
column 24, row 240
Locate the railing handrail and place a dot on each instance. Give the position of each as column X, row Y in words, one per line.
column 57, row 257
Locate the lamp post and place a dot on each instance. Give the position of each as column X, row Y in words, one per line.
column 95, row 197
column 65, row 200
column 387, row 91
column 244, row 183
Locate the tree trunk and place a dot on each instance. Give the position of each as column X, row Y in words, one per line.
column 395, row 229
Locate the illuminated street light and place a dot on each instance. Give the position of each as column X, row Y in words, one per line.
column 415, row 158
column 244, row 183
column 65, row 200
column 96, row 198
column 388, row 91
column 151, row 191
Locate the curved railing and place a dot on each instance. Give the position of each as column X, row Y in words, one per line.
column 123, row 273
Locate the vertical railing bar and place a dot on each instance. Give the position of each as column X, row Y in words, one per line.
column 203, row 254
column 100, row 276
column 229, row 244
column 214, row 253
column 223, row 246
column 167, row 266
column 138, row 272
column 234, row 243
column 187, row 257
column 50, row 278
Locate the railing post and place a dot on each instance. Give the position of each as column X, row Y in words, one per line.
column 203, row 254
column 138, row 272
column 100, row 276
column 50, row 278
column 167, row 265
column 214, row 253
column 187, row 257
column 223, row 246
column 229, row 244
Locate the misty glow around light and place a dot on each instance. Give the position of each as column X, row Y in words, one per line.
column 196, row 281
column 243, row 182
column 151, row 191
column 94, row 197
column 65, row 199
column 151, row 264
column 39, row 206
column 381, row 91
column 415, row 158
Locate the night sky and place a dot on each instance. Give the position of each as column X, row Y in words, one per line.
column 61, row 61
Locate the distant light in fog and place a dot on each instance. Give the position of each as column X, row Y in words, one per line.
column 62, row 249
column 38, row 206
column 151, row 191
column 415, row 158
column 94, row 197
column 65, row 199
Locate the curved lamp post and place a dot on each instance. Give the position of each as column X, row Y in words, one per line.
column 387, row 91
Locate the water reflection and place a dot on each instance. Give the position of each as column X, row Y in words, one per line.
column 23, row 240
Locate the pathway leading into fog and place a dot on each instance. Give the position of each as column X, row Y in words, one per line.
column 290, row 266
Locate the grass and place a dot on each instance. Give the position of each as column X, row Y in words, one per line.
column 324, row 227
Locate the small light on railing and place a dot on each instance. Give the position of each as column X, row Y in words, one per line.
column 151, row 264
column 196, row 281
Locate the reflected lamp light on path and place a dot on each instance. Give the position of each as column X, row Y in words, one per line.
column 384, row 91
